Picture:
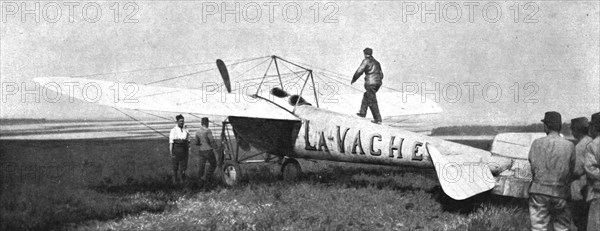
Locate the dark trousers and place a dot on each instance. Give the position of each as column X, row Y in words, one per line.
column 579, row 210
column 207, row 155
column 179, row 161
column 370, row 100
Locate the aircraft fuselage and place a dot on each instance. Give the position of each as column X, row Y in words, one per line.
column 326, row 135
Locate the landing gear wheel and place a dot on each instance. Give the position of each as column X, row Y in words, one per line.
column 232, row 173
column 290, row 170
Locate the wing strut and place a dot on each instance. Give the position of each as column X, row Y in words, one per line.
column 263, row 78
column 314, row 88
column 277, row 68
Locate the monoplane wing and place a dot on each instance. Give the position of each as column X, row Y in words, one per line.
column 391, row 104
column 166, row 99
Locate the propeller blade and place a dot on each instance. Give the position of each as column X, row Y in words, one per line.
column 224, row 74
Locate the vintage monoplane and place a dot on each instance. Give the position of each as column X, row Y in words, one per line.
column 282, row 127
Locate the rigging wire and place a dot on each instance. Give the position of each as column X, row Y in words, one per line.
column 240, row 61
column 330, row 75
column 165, row 118
column 194, row 100
column 257, row 78
column 252, row 68
column 202, row 71
column 179, row 76
column 157, row 68
column 299, row 77
column 210, row 121
column 283, row 78
column 159, row 93
column 343, row 83
column 141, row 122
column 338, row 76
column 162, row 117
column 324, row 70
column 139, row 70
column 341, row 76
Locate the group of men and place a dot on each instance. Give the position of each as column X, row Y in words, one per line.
column 179, row 149
column 559, row 168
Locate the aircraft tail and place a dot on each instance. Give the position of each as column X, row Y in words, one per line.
column 460, row 179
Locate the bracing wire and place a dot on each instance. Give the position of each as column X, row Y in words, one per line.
column 257, row 78
column 141, row 70
column 298, row 76
column 210, row 121
column 252, row 68
column 202, row 71
column 179, row 76
column 160, row 68
column 339, row 81
column 148, row 113
column 340, row 76
column 141, row 122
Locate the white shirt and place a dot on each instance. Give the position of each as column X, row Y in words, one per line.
column 178, row 133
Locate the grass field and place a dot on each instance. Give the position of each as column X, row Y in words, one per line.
column 124, row 184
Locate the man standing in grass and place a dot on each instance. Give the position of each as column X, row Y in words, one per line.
column 592, row 170
column 206, row 146
column 373, row 80
column 179, row 147
column 552, row 159
column 579, row 129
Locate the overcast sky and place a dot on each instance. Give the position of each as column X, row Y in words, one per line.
column 541, row 55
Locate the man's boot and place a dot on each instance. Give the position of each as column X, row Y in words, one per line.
column 363, row 106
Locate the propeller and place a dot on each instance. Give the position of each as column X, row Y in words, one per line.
column 224, row 74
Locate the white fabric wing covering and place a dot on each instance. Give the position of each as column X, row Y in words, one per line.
column 460, row 178
column 391, row 104
column 166, row 99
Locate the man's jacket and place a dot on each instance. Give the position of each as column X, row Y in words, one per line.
column 592, row 168
column 372, row 70
column 204, row 139
column 552, row 159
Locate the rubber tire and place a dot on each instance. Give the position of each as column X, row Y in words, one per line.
column 291, row 170
column 231, row 173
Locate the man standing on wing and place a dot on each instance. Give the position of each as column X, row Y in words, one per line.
column 373, row 80
column 552, row 159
